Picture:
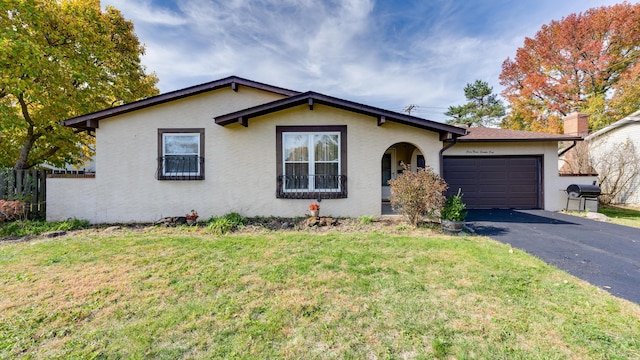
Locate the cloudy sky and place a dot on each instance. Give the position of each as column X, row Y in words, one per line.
column 385, row 53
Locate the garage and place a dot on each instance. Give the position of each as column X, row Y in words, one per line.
column 502, row 182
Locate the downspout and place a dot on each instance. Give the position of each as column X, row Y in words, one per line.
column 442, row 156
column 564, row 151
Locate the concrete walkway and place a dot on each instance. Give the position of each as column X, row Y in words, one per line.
column 603, row 254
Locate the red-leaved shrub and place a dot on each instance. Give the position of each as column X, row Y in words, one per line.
column 418, row 194
column 11, row 210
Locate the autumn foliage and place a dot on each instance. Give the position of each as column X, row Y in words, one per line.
column 60, row 59
column 418, row 194
column 586, row 61
column 11, row 210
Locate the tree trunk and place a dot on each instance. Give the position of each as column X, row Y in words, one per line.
column 27, row 145
column 29, row 140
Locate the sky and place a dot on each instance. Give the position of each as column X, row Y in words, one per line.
column 389, row 54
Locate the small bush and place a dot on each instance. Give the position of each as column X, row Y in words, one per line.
column 454, row 208
column 11, row 210
column 227, row 223
column 236, row 219
column 366, row 219
column 418, row 194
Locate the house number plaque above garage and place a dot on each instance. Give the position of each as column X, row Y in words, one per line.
column 482, row 152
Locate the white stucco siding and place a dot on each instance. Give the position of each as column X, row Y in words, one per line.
column 255, row 161
column 130, row 192
column 126, row 189
column 603, row 145
column 240, row 162
column 71, row 198
column 553, row 186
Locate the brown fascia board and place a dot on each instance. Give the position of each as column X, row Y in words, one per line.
column 310, row 98
column 541, row 139
column 90, row 121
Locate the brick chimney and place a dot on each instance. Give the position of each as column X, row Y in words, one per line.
column 576, row 124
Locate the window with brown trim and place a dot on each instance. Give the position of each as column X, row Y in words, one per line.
column 311, row 162
column 180, row 154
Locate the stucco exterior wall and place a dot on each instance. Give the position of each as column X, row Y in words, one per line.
column 553, row 186
column 71, row 198
column 240, row 163
column 603, row 145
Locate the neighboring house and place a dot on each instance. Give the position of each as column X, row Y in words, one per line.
column 260, row 150
column 87, row 167
column 605, row 144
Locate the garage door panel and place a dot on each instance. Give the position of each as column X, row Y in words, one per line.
column 495, row 182
column 524, row 189
column 498, row 189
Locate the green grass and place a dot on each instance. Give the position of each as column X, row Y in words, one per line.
column 622, row 216
column 184, row 293
column 35, row 227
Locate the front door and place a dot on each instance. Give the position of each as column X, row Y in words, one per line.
column 388, row 172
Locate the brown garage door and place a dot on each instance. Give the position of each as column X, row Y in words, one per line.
column 512, row 182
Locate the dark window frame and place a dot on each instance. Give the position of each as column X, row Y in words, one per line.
column 342, row 130
column 160, row 173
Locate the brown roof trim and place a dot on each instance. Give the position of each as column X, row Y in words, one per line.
column 480, row 134
column 567, row 138
column 310, row 98
column 90, row 121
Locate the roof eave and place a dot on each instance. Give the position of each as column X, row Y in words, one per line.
column 627, row 120
column 90, row 121
column 568, row 138
column 311, row 98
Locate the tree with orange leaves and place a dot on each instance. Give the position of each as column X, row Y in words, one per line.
column 587, row 61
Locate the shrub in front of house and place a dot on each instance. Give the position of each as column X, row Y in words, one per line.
column 226, row 223
column 418, row 194
column 11, row 210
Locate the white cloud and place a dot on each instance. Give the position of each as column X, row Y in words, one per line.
column 383, row 54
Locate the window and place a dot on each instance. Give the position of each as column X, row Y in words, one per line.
column 311, row 162
column 180, row 154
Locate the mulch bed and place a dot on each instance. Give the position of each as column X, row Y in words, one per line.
column 386, row 224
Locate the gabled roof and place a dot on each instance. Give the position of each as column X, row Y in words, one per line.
column 627, row 120
column 90, row 121
column 483, row 134
column 311, row 98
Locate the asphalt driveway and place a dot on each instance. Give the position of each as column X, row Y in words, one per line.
column 604, row 254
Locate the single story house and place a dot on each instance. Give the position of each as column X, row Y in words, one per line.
column 238, row 145
column 602, row 145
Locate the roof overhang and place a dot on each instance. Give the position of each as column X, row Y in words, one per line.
column 627, row 120
column 311, row 98
column 493, row 135
column 542, row 139
column 91, row 121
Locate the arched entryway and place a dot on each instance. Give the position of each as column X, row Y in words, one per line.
column 395, row 160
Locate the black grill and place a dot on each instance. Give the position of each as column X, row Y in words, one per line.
column 582, row 193
column 582, row 190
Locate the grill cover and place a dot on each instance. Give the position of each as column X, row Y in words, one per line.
column 583, row 190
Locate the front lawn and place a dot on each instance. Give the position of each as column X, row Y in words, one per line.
column 621, row 215
column 186, row 293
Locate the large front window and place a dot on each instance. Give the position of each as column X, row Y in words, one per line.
column 180, row 154
column 311, row 163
